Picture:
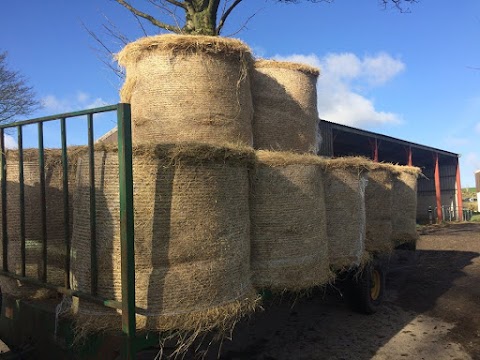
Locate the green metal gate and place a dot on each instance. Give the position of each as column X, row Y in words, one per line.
column 127, row 305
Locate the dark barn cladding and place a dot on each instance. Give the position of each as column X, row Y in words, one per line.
column 437, row 196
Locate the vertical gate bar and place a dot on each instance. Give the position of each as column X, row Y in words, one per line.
column 66, row 205
column 22, row 197
column 43, row 205
column 4, row 202
column 93, row 209
column 127, row 226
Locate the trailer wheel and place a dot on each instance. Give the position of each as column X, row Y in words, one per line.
column 367, row 288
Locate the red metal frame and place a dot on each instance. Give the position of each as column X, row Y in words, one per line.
column 459, row 194
column 374, row 146
column 410, row 156
column 438, row 193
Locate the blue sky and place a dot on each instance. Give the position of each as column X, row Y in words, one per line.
column 408, row 75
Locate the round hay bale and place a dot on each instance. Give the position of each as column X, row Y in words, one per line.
column 186, row 88
column 192, row 237
column 378, row 207
column 33, row 223
column 404, row 207
column 345, row 180
column 285, row 102
column 289, row 244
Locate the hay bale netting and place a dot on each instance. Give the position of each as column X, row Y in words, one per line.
column 289, row 244
column 186, row 88
column 55, row 230
column 404, row 207
column 378, row 207
column 192, row 237
column 285, row 103
column 345, row 180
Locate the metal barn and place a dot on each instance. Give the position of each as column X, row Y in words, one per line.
column 439, row 192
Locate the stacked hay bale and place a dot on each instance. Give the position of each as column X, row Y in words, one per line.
column 345, row 181
column 186, row 88
column 285, row 103
column 404, row 209
column 289, row 243
column 192, row 237
column 33, row 223
column 378, row 207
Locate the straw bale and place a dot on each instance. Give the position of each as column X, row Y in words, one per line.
column 188, row 89
column 33, row 224
column 289, row 244
column 192, row 245
column 285, row 102
column 307, row 69
column 345, row 180
column 404, row 207
column 378, row 206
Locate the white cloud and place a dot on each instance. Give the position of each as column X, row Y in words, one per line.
column 53, row 104
column 82, row 96
column 342, row 75
column 477, row 128
column 381, row 68
column 10, row 142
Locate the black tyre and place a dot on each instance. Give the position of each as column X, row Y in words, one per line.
column 410, row 246
column 366, row 289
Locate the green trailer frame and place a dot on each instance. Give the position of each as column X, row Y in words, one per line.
column 132, row 341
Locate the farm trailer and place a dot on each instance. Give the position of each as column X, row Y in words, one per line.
column 37, row 322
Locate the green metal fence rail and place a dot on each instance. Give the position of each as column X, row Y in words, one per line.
column 127, row 305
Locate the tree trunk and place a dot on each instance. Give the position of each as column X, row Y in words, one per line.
column 201, row 17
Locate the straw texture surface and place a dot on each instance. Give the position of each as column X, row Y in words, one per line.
column 285, row 102
column 289, row 244
column 345, row 180
column 192, row 244
column 188, row 89
column 378, row 206
column 404, row 209
column 55, row 229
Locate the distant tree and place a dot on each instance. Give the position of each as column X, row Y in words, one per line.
column 16, row 97
column 207, row 17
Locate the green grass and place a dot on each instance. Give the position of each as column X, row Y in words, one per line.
column 475, row 218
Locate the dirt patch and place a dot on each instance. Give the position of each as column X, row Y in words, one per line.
column 432, row 312
column 446, row 276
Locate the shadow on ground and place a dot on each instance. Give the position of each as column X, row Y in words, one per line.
column 321, row 326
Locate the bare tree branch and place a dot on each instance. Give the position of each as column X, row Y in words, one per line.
column 107, row 55
column 166, row 9
column 149, row 17
column 177, row 3
column 244, row 26
column 226, row 14
column 16, row 97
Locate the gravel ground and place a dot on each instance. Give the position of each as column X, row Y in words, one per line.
column 431, row 312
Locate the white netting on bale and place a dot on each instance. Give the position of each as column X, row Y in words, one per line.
column 289, row 244
column 378, row 206
column 188, row 89
column 345, row 181
column 192, row 237
column 55, row 229
column 285, row 103
column 404, row 207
